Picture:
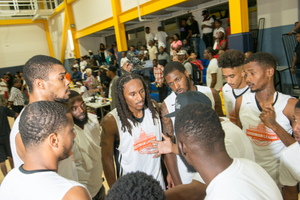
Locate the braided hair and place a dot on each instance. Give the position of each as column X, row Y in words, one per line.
column 122, row 108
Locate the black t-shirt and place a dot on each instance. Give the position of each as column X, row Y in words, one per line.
column 195, row 28
column 297, row 51
column 184, row 31
column 4, row 113
column 104, row 77
column 102, row 57
column 112, row 59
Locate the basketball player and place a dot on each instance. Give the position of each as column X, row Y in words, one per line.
column 232, row 64
column 46, row 129
column 129, row 127
column 265, row 115
column 46, row 79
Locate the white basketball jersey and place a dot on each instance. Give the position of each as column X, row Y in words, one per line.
column 266, row 144
column 35, row 185
column 230, row 95
column 66, row 167
column 132, row 150
column 186, row 177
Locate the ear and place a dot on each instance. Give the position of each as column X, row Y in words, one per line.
column 182, row 148
column 270, row 72
column 187, row 74
column 39, row 83
column 53, row 140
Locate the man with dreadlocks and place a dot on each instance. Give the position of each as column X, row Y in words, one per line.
column 130, row 126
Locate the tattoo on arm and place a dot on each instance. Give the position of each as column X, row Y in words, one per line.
column 167, row 125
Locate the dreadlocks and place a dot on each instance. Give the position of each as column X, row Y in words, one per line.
column 122, row 108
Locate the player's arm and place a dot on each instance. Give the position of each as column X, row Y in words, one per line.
column 268, row 117
column 194, row 190
column 108, row 136
column 77, row 193
column 238, row 104
column 218, row 103
column 170, row 159
column 290, row 193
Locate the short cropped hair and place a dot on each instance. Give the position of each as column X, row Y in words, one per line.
column 38, row 67
column 172, row 66
column 263, row 59
column 136, row 185
column 205, row 134
column 231, row 59
column 212, row 51
column 16, row 81
column 88, row 70
column 40, row 119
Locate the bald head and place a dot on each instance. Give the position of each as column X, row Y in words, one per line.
column 248, row 54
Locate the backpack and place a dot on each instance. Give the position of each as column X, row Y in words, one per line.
column 196, row 74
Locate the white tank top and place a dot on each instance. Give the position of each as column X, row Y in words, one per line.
column 35, row 185
column 132, row 151
column 266, row 144
column 66, row 167
column 230, row 95
column 186, row 177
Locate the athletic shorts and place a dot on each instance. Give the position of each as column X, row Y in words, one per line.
column 4, row 148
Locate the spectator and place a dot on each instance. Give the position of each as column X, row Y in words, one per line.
column 171, row 40
column 89, row 63
column 82, row 64
column 105, row 88
column 248, row 54
column 182, row 59
column 112, row 48
column 133, row 50
column 163, row 57
column 198, row 63
column 149, row 36
column 144, row 49
column 219, row 28
column 84, row 76
column 116, row 50
column 95, row 63
column 207, row 27
column 175, row 58
column 103, row 76
column 16, row 99
column 296, row 61
column 82, row 89
column 75, row 64
column 185, row 31
column 112, row 59
column 185, row 45
column 103, row 54
column 158, row 71
column 161, row 38
column 195, row 35
column 214, row 73
column 3, row 87
column 136, row 185
column 90, row 81
column 220, row 43
column 9, row 81
column 141, row 56
column 91, row 55
column 228, row 31
column 111, row 72
column 124, row 58
column 5, row 152
column 152, row 51
column 177, row 44
column 76, row 76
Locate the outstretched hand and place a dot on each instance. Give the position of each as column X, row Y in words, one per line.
column 160, row 147
column 268, row 116
column 127, row 66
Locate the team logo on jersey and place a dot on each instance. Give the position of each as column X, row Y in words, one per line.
column 140, row 143
column 261, row 135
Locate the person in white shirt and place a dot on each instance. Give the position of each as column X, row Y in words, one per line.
column 75, row 65
column 47, row 141
column 232, row 65
column 46, row 80
column 187, row 65
column 149, row 37
column 3, row 87
column 265, row 115
column 213, row 73
column 86, row 148
column 153, row 53
column 82, row 90
column 218, row 25
column 207, row 26
column 289, row 171
column 83, row 64
column 161, row 38
column 202, row 149
column 124, row 58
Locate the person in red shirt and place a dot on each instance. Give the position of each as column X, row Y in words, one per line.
column 221, row 43
column 198, row 63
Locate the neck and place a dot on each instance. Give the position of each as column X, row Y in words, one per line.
column 136, row 113
column 38, row 96
column 243, row 84
column 37, row 161
column 113, row 76
column 193, row 88
column 80, row 125
column 211, row 166
column 194, row 59
column 210, row 58
column 266, row 95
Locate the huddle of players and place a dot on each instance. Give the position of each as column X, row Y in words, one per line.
column 216, row 152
